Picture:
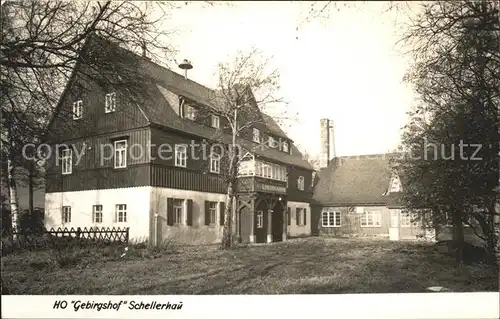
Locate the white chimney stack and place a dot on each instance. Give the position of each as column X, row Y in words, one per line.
column 327, row 142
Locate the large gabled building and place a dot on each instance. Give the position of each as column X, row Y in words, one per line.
column 113, row 175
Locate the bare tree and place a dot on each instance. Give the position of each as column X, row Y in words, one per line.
column 43, row 42
column 246, row 87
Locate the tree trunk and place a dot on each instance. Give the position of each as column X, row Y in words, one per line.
column 227, row 236
column 14, row 206
column 31, row 187
column 226, row 231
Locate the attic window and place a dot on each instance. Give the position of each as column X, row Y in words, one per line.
column 256, row 135
column 300, row 183
column 272, row 142
column 190, row 112
column 110, row 102
column 285, row 146
column 77, row 110
column 215, row 121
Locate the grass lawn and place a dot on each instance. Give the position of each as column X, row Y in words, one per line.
column 299, row 266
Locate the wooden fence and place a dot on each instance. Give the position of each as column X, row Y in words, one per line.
column 62, row 238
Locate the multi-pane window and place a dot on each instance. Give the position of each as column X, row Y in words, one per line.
column 272, row 142
column 190, row 112
column 215, row 121
column 262, row 169
column 260, row 219
column 178, row 211
column 300, row 216
column 214, row 163
column 121, row 213
column 370, row 219
column 67, row 160
column 97, row 214
column 212, row 207
column 300, row 183
column 66, row 214
column 330, row 219
column 110, row 102
column 181, row 155
column 285, row 147
column 407, row 219
column 120, row 154
column 77, row 110
column 256, row 135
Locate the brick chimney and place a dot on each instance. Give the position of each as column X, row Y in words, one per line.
column 327, row 142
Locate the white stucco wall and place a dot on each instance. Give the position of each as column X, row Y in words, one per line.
column 137, row 200
column 293, row 228
column 198, row 233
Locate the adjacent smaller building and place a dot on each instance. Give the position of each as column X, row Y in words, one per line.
column 358, row 196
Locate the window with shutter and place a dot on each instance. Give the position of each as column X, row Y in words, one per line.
column 178, row 208
column 222, row 208
column 210, row 212
column 170, row 211
column 189, row 212
column 289, row 216
column 207, row 213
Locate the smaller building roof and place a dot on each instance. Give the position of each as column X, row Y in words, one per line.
column 355, row 181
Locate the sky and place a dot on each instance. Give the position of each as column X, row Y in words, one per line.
column 345, row 67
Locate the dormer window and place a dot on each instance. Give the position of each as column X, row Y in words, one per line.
column 77, row 110
column 285, row 146
column 215, row 121
column 256, row 135
column 272, row 142
column 110, row 102
column 190, row 112
column 300, row 183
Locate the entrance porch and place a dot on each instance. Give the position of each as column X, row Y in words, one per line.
column 261, row 218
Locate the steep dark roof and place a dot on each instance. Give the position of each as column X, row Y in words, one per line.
column 159, row 111
column 354, row 180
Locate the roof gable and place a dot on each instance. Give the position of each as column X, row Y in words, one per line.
column 395, row 184
column 161, row 105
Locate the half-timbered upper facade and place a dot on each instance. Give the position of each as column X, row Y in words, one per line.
column 136, row 161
